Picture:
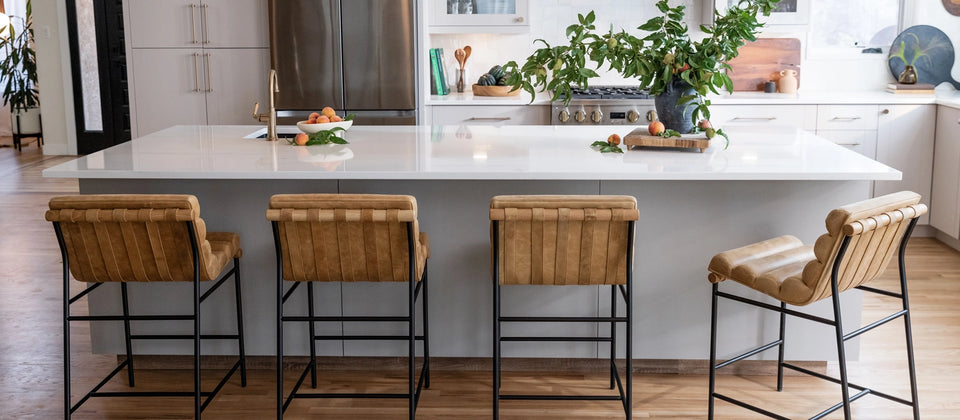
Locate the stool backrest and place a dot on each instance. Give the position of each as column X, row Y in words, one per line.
column 345, row 237
column 876, row 228
column 130, row 237
column 562, row 239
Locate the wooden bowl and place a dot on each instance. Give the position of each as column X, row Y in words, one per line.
column 494, row 91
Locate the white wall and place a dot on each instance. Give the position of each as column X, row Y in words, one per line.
column 549, row 18
column 53, row 74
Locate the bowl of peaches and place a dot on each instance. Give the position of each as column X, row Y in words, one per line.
column 327, row 119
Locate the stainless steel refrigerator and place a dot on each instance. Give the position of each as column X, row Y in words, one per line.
column 355, row 56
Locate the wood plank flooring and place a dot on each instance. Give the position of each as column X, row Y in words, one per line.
column 31, row 361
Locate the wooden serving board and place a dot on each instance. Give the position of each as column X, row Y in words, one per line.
column 640, row 137
column 761, row 61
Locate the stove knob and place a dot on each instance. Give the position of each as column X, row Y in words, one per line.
column 580, row 116
column 596, row 116
column 633, row 116
column 564, row 116
column 652, row 116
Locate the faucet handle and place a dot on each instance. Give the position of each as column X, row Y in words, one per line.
column 256, row 115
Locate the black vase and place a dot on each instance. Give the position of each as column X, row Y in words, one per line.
column 673, row 116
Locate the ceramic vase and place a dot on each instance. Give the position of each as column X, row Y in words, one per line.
column 673, row 115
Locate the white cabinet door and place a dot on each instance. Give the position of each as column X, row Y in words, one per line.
column 167, row 89
column 491, row 115
column 237, row 79
column 479, row 16
column 799, row 116
column 945, row 203
column 863, row 142
column 234, row 23
column 905, row 138
column 164, row 24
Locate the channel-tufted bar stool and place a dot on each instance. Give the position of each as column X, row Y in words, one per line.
column 143, row 238
column 861, row 240
column 563, row 240
column 350, row 238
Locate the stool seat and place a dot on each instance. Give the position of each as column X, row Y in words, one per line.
column 774, row 267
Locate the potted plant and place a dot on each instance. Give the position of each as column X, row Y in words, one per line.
column 678, row 71
column 18, row 72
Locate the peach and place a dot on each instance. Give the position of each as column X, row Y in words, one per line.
column 301, row 139
column 312, row 120
column 656, row 128
column 314, row 115
column 613, row 140
column 328, row 112
column 323, row 119
column 336, row 118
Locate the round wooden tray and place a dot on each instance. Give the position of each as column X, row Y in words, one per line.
column 494, row 90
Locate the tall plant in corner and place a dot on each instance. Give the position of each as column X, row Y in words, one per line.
column 663, row 58
column 18, row 68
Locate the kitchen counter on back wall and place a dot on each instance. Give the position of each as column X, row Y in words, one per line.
column 769, row 182
column 951, row 99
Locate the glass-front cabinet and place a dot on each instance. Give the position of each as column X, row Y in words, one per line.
column 479, row 16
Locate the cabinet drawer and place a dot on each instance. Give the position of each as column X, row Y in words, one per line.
column 863, row 142
column 491, row 115
column 799, row 116
column 847, row 117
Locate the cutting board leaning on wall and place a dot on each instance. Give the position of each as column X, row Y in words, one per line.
column 761, row 61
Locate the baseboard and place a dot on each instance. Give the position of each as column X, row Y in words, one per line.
column 477, row 364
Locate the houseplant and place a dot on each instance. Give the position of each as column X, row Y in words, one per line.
column 18, row 73
column 678, row 71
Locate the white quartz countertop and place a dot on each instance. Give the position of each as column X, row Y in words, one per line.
column 944, row 97
column 469, row 153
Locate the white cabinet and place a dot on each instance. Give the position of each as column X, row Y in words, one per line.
column 479, row 16
column 491, row 114
column 188, row 86
column 945, row 206
column 863, row 142
column 168, row 85
column 846, row 117
column 905, row 141
column 198, row 23
column 799, row 116
column 237, row 79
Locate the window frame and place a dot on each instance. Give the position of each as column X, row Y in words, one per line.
column 853, row 53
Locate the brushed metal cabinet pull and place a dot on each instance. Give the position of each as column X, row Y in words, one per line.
column 754, row 118
column 193, row 22
column 489, row 119
column 196, row 70
column 846, row 118
column 206, row 23
column 206, row 58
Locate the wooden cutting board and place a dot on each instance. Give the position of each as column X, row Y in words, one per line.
column 762, row 61
column 641, row 137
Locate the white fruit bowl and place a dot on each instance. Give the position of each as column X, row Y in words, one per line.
column 313, row 128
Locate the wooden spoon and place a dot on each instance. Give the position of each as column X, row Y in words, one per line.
column 466, row 50
column 461, row 57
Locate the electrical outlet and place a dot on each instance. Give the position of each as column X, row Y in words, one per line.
column 45, row 31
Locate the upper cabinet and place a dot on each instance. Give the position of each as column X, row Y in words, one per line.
column 199, row 23
column 479, row 16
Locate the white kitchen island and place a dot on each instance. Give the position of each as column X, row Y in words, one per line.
column 769, row 182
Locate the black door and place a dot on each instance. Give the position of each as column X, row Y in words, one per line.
column 99, row 67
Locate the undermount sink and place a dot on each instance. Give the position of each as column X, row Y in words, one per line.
column 281, row 133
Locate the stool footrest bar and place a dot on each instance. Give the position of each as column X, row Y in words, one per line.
column 130, row 318
column 750, row 407
column 183, row 337
column 84, row 292
column 760, row 349
column 839, row 405
column 350, row 395
column 880, row 291
column 573, row 339
column 562, row 319
column 561, row 397
column 364, row 337
column 776, row 308
column 875, row 324
column 346, row 319
column 852, row 385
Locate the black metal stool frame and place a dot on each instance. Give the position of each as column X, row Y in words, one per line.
column 199, row 403
column 840, row 336
column 625, row 395
column 415, row 384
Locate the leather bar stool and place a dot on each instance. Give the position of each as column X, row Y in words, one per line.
column 557, row 240
column 350, row 238
column 861, row 240
column 144, row 238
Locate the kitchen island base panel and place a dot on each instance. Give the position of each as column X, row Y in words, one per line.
column 682, row 225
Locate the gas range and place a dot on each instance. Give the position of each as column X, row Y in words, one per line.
column 606, row 105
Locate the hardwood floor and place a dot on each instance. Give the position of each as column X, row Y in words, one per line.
column 31, row 361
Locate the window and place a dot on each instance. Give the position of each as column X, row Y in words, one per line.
column 853, row 24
